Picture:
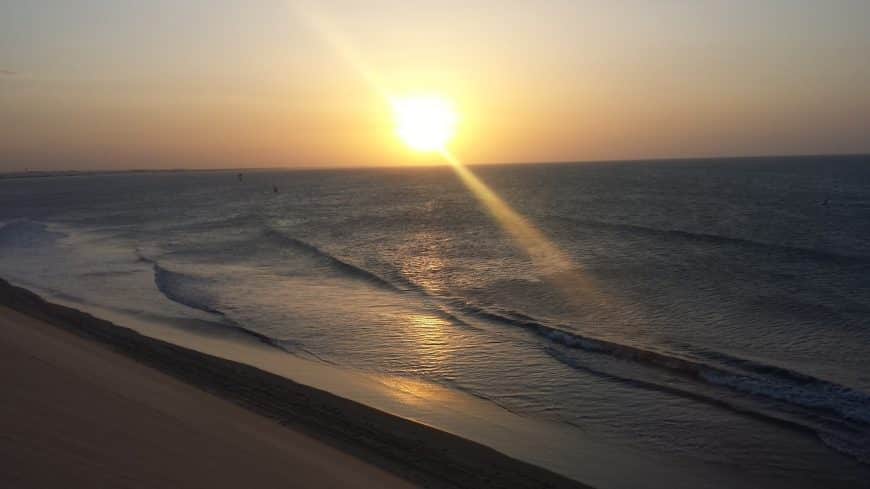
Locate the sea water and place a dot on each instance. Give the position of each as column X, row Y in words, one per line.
column 722, row 328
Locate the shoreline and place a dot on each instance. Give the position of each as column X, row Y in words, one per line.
column 417, row 453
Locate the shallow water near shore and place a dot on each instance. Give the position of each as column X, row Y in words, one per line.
column 727, row 351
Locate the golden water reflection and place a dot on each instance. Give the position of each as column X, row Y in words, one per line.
column 422, row 261
column 548, row 259
column 432, row 341
column 415, row 392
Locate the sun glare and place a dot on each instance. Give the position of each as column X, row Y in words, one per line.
column 425, row 123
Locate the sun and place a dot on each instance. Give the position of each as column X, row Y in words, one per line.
column 425, row 123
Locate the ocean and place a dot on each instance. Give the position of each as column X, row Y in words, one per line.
column 715, row 331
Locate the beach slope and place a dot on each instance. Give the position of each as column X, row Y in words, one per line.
column 75, row 414
column 87, row 403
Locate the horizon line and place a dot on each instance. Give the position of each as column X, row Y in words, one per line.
column 74, row 172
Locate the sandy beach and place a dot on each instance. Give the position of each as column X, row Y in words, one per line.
column 78, row 415
column 91, row 404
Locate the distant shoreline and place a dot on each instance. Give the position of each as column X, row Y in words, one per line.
column 84, row 173
column 417, row 453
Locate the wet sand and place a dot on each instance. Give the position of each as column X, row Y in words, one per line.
column 87, row 403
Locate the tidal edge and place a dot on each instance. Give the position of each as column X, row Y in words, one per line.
column 417, row 453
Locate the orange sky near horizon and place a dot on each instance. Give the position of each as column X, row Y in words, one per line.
column 195, row 84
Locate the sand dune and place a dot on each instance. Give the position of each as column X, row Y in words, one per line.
column 87, row 403
column 77, row 415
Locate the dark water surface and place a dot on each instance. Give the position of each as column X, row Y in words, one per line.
column 725, row 316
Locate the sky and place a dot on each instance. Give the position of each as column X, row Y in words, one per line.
column 263, row 83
